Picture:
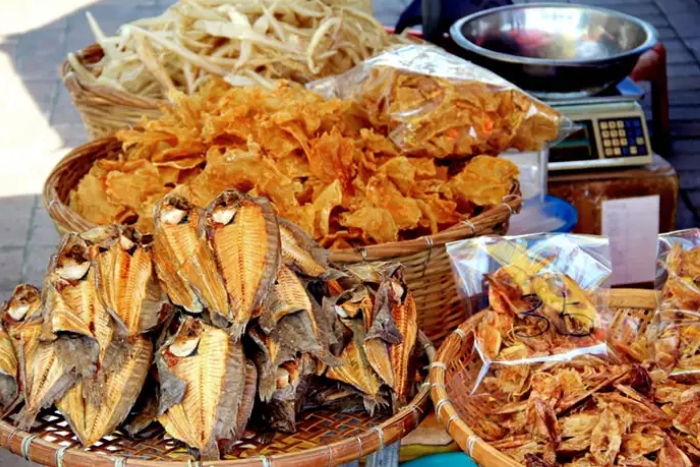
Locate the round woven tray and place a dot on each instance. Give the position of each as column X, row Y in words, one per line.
column 104, row 110
column 427, row 266
column 455, row 366
column 324, row 438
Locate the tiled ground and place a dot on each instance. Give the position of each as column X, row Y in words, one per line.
column 38, row 123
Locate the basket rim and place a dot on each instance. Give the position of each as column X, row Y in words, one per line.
column 373, row 439
column 475, row 447
column 465, row 229
column 101, row 94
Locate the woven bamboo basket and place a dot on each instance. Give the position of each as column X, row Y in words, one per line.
column 324, row 438
column 457, row 365
column 104, row 110
column 427, row 266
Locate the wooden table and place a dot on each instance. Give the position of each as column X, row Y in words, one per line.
column 587, row 189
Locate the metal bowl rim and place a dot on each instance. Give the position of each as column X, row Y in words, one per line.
column 456, row 34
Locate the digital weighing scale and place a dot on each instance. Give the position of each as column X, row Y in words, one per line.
column 613, row 130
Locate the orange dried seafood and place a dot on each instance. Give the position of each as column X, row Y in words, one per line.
column 321, row 164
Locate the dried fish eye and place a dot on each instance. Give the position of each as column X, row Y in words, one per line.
column 223, row 215
column 185, row 348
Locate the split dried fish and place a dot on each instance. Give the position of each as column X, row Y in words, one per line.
column 355, row 368
column 245, row 237
column 201, row 370
column 301, row 253
column 287, row 296
column 9, row 372
column 405, row 316
column 127, row 284
column 96, row 405
column 184, row 263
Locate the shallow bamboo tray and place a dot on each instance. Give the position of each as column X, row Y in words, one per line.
column 104, row 110
column 323, row 439
column 451, row 374
column 427, row 266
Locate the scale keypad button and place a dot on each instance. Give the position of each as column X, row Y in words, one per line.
column 617, row 151
column 620, row 124
column 616, row 142
column 626, row 151
column 640, row 141
column 621, row 133
column 633, row 150
column 606, row 134
column 609, row 152
column 604, row 125
column 607, row 143
column 623, row 142
column 613, row 133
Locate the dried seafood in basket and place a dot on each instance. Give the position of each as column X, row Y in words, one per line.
column 247, row 42
column 675, row 330
column 555, row 378
column 435, row 104
column 322, row 167
column 238, row 317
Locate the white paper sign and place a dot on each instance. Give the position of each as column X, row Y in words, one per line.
column 632, row 224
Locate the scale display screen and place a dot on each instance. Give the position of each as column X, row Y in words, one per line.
column 579, row 146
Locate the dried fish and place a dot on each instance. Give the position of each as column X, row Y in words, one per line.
column 9, row 372
column 287, row 296
column 127, row 284
column 184, row 263
column 244, row 235
column 201, row 370
column 301, row 253
column 355, row 368
column 406, row 318
column 96, row 405
column 24, row 305
column 73, row 314
column 142, row 422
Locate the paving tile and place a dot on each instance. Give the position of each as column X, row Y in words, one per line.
column 72, row 134
column 691, row 113
column 656, row 19
column 638, row 9
column 667, row 33
column 63, row 111
column 676, row 70
column 36, row 263
column 690, row 179
column 685, row 217
column 684, row 98
column 15, row 213
column 10, row 267
column 7, row 459
column 694, row 201
column 43, row 232
column 42, row 91
column 685, row 24
column 683, row 83
column 679, row 6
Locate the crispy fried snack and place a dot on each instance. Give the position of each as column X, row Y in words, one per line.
column 321, row 165
column 433, row 116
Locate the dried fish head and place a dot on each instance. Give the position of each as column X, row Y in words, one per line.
column 102, row 237
column 24, row 305
column 201, row 393
column 247, row 253
column 72, row 260
column 287, row 296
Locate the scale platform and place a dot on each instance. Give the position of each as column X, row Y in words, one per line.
column 613, row 130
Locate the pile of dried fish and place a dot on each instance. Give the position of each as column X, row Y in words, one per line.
column 552, row 391
column 239, row 315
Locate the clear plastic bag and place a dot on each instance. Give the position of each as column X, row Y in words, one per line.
column 434, row 104
column 675, row 328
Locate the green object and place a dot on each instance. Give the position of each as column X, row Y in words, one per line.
column 452, row 459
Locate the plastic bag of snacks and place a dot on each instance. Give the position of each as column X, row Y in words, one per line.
column 434, row 104
column 675, row 328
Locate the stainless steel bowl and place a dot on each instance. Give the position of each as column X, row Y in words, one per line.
column 555, row 50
